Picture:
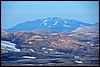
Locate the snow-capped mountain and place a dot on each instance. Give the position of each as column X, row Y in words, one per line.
column 52, row 23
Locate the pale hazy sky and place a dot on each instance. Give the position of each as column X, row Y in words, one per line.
column 15, row 12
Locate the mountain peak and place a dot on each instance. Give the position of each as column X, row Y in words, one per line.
column 52, row 23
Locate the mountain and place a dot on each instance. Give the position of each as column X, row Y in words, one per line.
column 46, row 47
column 93, row 28
column 52, row 23
column 5, row 35
column 53, row 39
column 88, row 34
column 27, row 47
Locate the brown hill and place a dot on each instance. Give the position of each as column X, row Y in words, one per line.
column 88, row 34
column 5, row 35
column 86, row 29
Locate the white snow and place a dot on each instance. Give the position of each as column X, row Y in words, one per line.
column 50, row 49
column 5, row 45
column 30, row 42
column 79, row 62
column 70, row 35
column 49, row 26
column 6, row 42
column 43, row 48
column 45, row 24
column 98, row 47
column 66, row 25
column 88, row 42
column 81, row 25
column 91, row 44
column 45, row 37
column 56, row 44
column 45, row 20
column 97, row 44
column 32, row 50
column 45, row 51
column 55, row 23
column 76, row 56
column 29, row 57
column 65, row 22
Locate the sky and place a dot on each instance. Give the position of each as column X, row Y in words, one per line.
column 16, row 12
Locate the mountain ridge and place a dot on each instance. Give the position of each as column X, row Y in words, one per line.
column 52, row 23
column 93, row 28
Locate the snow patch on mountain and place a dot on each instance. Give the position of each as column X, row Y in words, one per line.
column 66, row 25
column 5, row 45
column 81, row 25
column 55, row 23
column 49, row 26
column 45, row 22
column 65, row 22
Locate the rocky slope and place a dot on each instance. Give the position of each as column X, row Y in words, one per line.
column 88, row 34
column 55, row 39
column 53, row 49
column 94, row 28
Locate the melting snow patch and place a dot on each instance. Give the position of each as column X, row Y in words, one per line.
column 5, row 45
column 45, row 37
column 81, row 25
column 65, row 22
column 49, row 26
column 45, row 24
column 80, row 62
column 45, row 20
column 55, row 23
column 6, row 42
column 56, row 44
column 91, row 44
column 70, row 35
column 50, row 49
column 32, row 50
column 88, row 42
column 43, row 48
column 98, row 47
column 76, row 56
column 45, row 51
column 30, row 42
column 29, row 57
column 66, row 25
